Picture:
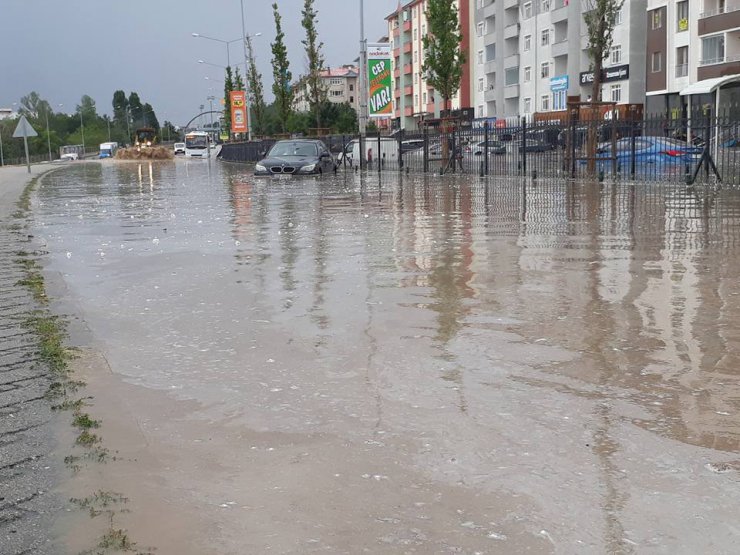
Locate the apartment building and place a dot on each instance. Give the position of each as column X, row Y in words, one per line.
column 414, row 100
column 340, row 84
column 692, row 50
column 533, row 56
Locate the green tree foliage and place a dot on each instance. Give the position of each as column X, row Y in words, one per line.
column 600, row 18
column 281, row 74
column 228, row 87
column 33, row 106
column 136, row 109
column 87, row 108
column 314, row 84
column 150, row 118
column 120, row 105
column 255, row 92
column 444, row 56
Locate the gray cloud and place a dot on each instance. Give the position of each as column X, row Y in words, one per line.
column 66, row 48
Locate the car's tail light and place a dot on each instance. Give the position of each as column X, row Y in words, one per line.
column 673, row 153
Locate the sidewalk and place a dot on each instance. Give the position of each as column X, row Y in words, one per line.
column 27, row 467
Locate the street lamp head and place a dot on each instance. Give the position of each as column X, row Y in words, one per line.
column 195, row 34
column 258, row 34
column 201, row 61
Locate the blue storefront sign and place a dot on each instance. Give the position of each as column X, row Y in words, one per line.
column 559, row 83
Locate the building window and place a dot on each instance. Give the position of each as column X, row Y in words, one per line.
column 423, row 29
column 511, row 76
column 415, row 34
column 545, row 102
column 424, row 96
column 657, row 62
column 527, row 42
column 480, row 56
column 616, row 93
column 336, row 93
column 682, row 61
column 527, row 105
column 416, row 99
column 481, row 111
column 416, row 78
column 545, row 37
column 656, row 19
column 335, row 81
column 545, row 69
column 558, row 100
column 545, row 6
column 618, row 18
column 713, row 49
column 351, row 87
column 616, row 54
column 351, row 99
column 527, row 74
column 480, row 29
column 682, row 16
column 480, row 85
column 527, row 10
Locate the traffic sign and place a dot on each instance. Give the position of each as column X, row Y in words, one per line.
column 24, row 129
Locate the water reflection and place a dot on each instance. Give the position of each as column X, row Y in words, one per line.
column 437, row 308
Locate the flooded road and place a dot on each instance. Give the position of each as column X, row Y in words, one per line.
column 405, row 364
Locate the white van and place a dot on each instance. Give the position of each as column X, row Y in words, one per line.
column 388, row 151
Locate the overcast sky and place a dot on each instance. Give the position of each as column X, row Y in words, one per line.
column 66, row 48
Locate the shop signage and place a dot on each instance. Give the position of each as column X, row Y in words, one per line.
column 616, row 73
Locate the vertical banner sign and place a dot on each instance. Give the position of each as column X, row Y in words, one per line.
column 238, row 112
column 380, row 102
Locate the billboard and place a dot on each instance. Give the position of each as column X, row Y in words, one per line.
column 380, row 101
column 239, row 123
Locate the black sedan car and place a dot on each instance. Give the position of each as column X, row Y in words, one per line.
column 296, row 157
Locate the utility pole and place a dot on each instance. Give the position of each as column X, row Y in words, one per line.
column 48, row 136
column 82, row 130
column 363, row 70
column 246, row 81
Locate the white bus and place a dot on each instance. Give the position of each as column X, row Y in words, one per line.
column 197, row 145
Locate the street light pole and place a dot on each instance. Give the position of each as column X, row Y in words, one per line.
column 246, row 70
column 363, row 69
column 2, row 155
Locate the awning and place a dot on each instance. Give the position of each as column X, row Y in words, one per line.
column 709, row 85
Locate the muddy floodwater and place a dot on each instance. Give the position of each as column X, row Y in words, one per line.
column 403, row 364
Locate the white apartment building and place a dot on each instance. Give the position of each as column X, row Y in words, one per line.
column 339, row 83
column 534, row 56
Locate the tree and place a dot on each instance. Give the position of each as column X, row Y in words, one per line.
column 86, row 108
column 150, row 118
column 314, row 84
column 136, row 109
column 228, row 87
column 120, row 106
column 600, row 19
column 444, row 56
column 281, row 74
column 256, row 96
column 34, row 107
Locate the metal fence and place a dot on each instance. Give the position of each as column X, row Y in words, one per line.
column 686, row 149
column 651, row 149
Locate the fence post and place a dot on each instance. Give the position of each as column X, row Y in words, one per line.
column 426, row 149
column 524, row 146
column 380, row 154
column 633, row 145
column 614, row 143
column 485, row 147
column 573, row 144
column 401, row 134
column 361, row 161
column 454, row 150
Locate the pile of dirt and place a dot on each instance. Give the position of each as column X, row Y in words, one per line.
column 151, row 153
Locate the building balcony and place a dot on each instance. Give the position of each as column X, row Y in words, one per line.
column 396, row 52
column 709, row 69
column 407, row 47
column 511, row 4
column 490, row 95
column 489, row 67
column 489, row 10
column 489, row 39
column 430, row 107
column 511, row 31
column 408, row 90
column 559, row 11
column 511, row 61
column 408, row 111
column 406, row 26
column 711, row 22
column 408, row 69
column 559, row 48
column 396, row 73
column 511, row 91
